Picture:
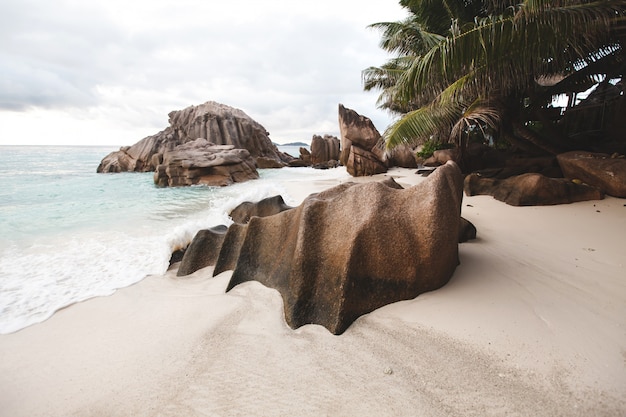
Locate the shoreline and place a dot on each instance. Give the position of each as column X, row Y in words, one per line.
column 532, row 322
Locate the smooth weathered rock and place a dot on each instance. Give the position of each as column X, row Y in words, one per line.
column 359, row 144
column 139, row 157
column 403, row 156
column 203, row 250
column 467, row 230
column 218, row 123
column 264, row 162
column 266, row 207
column 363, row 163
column 324, row 149
column 299, row 163
column 441, row 156
column 305, row 155
column 201, row 162
column 357, row 129
column 351, row 249
column 531, row 190
column 597, row 169
column 547, row 166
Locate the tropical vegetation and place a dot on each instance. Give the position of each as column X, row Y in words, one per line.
column 504, row 72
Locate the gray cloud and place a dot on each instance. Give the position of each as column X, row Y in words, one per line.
column 285, row 65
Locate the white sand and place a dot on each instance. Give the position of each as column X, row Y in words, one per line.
column 533, row 323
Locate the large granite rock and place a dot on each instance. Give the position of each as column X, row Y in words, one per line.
column 362, row 163
column 531, row 190
column 218, row 123
column 403, row 156
column 202, row 162
column 266, row 207
column 203, row 250
column 351, row 249
column 324, row 149
column 604, row 171
column 442, row 156
column 143, row 156
column 361, row 152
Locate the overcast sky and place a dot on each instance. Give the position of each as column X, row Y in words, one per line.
column 109, row 71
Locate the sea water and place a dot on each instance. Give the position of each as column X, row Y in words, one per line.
column 68, row 234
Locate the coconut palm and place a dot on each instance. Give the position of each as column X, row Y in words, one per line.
column 462, row 65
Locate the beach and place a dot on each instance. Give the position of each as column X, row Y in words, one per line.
column 533, row 323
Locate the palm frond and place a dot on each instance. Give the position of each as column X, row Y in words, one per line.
column 479, row 114
column 420, row 125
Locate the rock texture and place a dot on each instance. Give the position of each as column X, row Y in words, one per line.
column 324, row 149
column 547, row 166
column 360, row 152
column 351, row 249
column 218, row 123
column 203, row 250
column 201, row 162
column 531, row 190
column 403, row 156
column 266, row 207
column 597, row 169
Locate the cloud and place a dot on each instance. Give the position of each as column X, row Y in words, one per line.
column 287, row 64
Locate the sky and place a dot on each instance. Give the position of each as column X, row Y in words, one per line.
column 107, row 72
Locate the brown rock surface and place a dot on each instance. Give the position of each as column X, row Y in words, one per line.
column 324, row 149
column 531, row 190
column 596, row 169
column 403, row 156
column 201, row 162
column 218, row 123
column 359, row 139
column 266, row 207
column 351, row 249
column 362, row 163
column 203, row 250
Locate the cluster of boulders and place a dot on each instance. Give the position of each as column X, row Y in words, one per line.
column 566, row 178
column 324, row 153
column 345, row 251
column 362, row 148
column 198, row 138
column 215, row 144
column 353, row 248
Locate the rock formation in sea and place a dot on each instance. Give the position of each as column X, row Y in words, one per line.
column 607, row 172
column 215, row 122
column 348, row 250
column 361, row 152
column 202, row 162
column 531, row 189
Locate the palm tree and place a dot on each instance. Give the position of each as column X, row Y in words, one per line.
column 463, row 65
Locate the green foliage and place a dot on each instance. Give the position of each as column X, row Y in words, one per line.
column 461, row 65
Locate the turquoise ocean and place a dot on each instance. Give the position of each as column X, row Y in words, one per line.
column 68, row 234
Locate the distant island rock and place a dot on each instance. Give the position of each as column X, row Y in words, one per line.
column 217, row 123
column 293, row 144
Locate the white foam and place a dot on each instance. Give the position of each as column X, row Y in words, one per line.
column 39, row 278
